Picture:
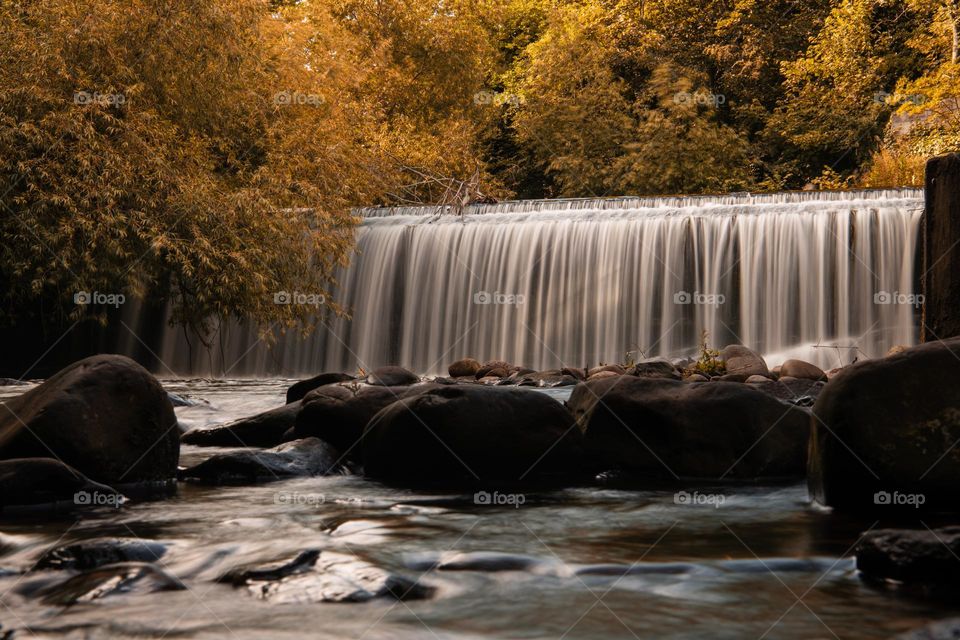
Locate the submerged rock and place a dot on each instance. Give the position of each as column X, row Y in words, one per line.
column 306, row 457
column 122, row 577
column 668, row 429
column 392, row 377
column 298, row 390
column 45, row 481
column 473, row 434
column 313, row 577
column 889, row 428
column 267, row 429
column 744, row 361
column 106, row 416
column 338, row 413
column 91, row 554
column 921, row 557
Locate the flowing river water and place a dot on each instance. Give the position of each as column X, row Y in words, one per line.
column 581, row 562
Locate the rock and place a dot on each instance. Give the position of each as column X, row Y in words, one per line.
column 267, row 429
column 45, row 481
column 896, row 349
column 473, row 434
column 298, row 390
column 551, row 378
column 757, row 379
column 331, row 577
column 304, row 562
column 793, row 390
column 464, row 367
column 922, row 557
column 183, row 401
column 614, row 368
column 105, row 415
column 733, row 377
column 490, row 380
column 890, row 425
column 666, row 429
column 579, row 374
column 494, row 365
column 741, row 360
column 655, row 368
column 122, row 577
column 392, row 377
column 91, row 554
column 338, row 414
column 600, row 375
column 943, row 630
column 306, row 457
column 696, row 377
column 801, row 370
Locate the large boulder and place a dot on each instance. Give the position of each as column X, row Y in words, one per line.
column 307, row 457
column 655, row 368
column 741, row 360
column 669, row 429
column 923, row 557
column 302, row 388
column 267, row 429
column 392, row 376
column 104, row 415
column 338, row 413
column 889, row 428
column 45, row 481
column 473, row 434
column 494, row 368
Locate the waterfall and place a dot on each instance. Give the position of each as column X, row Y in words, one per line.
column 823, row 276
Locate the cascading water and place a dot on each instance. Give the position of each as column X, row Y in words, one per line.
column 824, row 276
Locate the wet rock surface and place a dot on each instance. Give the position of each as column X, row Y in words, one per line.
column 304, row 457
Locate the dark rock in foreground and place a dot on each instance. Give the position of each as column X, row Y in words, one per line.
column 338, row 413
column 298, row 390
column 920, row 557
column 105, row 415
column 267, row 429
column 45, row 481
column 392, row 377
column 91, row 554
column 886, row 433
column 942, row 630
column 471, row 434
column 669, row 429
column 307, row 457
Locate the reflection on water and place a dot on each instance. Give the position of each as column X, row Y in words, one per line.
column 583, row 562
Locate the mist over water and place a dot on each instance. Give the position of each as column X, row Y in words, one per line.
column 557, row 283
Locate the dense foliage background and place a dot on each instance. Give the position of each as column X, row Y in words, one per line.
column 213, row 149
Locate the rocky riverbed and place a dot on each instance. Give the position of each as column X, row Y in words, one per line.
column 636, row 502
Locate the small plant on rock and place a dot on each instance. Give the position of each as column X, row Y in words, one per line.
column 709, row 364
